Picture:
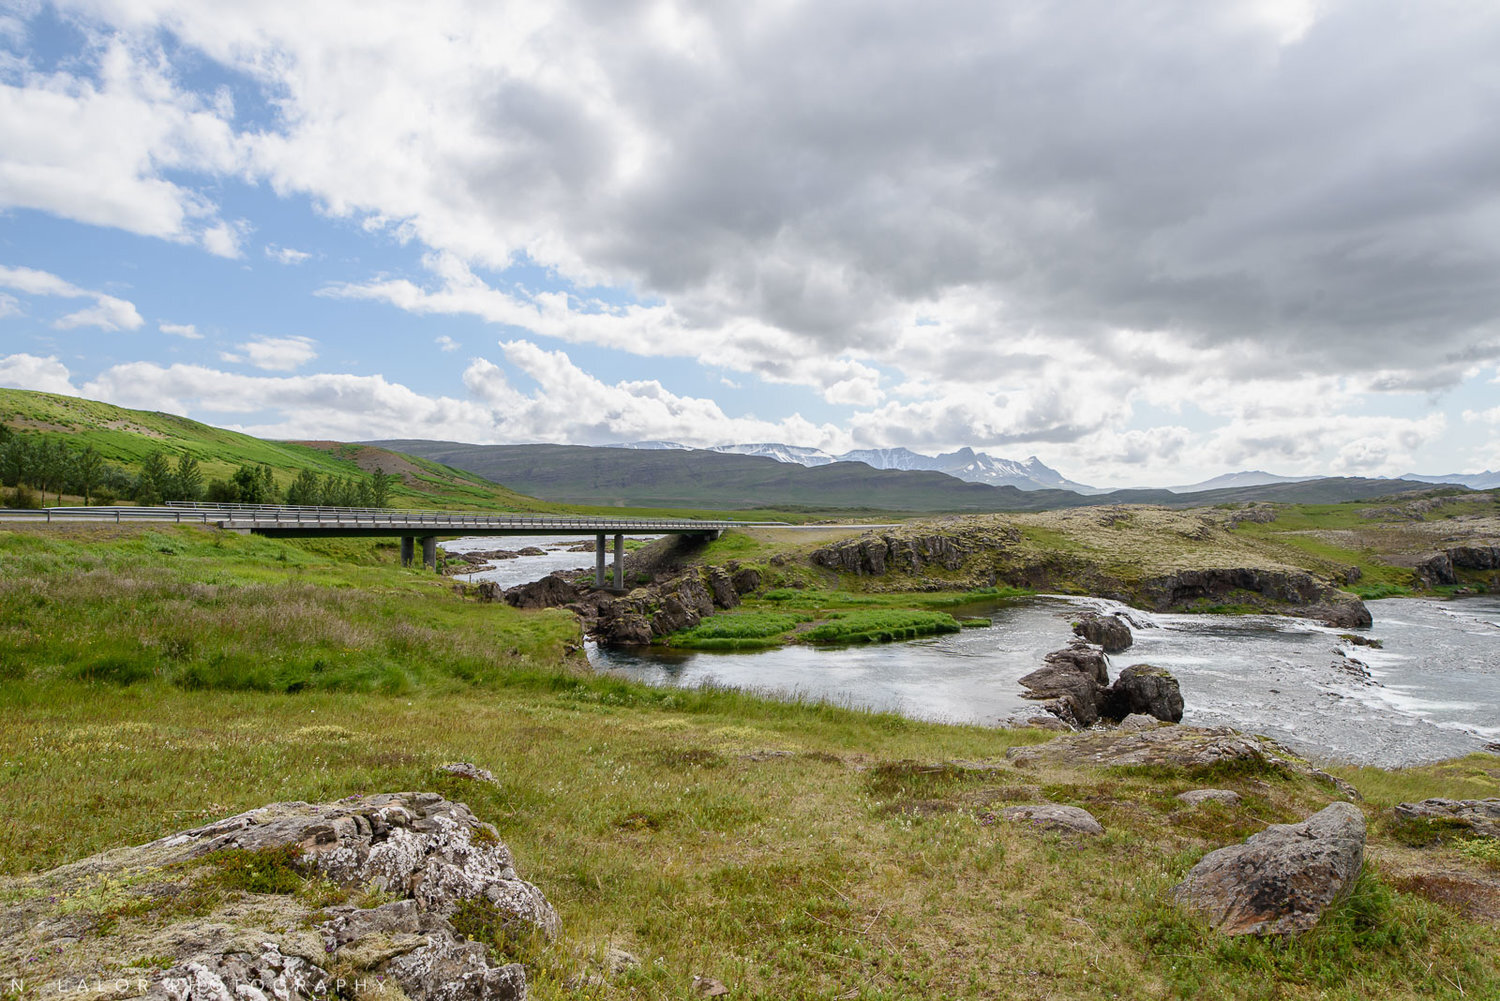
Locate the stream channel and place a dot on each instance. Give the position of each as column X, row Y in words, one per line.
column 1431, row 691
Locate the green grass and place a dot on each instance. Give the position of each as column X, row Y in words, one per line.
column 738, row 631
column 881, row 626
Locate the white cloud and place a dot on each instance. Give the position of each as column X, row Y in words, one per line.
column 1490, row 416
column 278, row 354
column 446, row 343
column 45, row 375
column 187, row 331
column 9, row 305
column 107, row 313
column 223, row 239
column 286, row 255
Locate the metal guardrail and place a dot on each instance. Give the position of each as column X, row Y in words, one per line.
column 289, row 516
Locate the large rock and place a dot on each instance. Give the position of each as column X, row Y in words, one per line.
column 721, row 587
column 1072, row 680
column 1141, row 688
column 1053, row 817
column 745, row 580
column 1108, row 631
column 1482, row 816
column 1280, row 881
column 549, row 592
column 1436, row 569
column 425, row 855
column 1475, row 557
column 873, row 555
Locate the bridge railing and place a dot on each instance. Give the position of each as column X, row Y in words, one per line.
column 271, row 515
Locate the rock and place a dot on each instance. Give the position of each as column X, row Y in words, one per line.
column 708, row 987
column 489, row 592
column 1280, row 881
column 1053, row 817
column 1073, row 679
column 1143, row 689
column 1475, row 557
column 1139, row 721
column 1040, row 720
column 1188, row 747
column 549, row 592
column 1435, row 570
column 465, row 770
column 430, row 853
column 617, row 961
column 873, row 555
column 746, row 580
column 1482, row 816
column 720, row 587
column 1195, row 796
column 1108, row 631
column 1287, row 591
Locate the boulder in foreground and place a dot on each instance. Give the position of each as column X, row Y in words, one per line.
column 1280, row 881
column 273, row 935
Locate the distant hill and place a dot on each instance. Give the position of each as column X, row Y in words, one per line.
column 1245, row 478
column 1487, row 480
column 700, row 478
column 125, row 437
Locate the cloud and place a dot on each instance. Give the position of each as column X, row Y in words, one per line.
column 446, row 343
column 107, row 313
column 286, row 255
column 223, row 239
column 45, row 375
column 185, row 330
column 277, row 354
column 9, row 306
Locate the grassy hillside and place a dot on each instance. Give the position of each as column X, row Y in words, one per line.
column 126, row 437
column 790, row 850
column 581, row 474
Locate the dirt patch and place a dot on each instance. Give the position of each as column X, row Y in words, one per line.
column 370, row 459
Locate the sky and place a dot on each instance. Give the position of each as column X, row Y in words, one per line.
column 1148, row 241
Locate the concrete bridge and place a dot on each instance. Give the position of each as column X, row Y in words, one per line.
column 411, row 527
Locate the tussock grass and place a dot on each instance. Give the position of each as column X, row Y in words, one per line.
column 880, row 626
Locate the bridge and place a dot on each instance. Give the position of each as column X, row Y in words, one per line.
column 411, row 527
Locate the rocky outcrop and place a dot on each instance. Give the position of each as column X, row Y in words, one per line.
column 873, row 555
column 1474, row 557
column 1053, row 817
column 746, row 580
column 1147, row 690
column 549, row 592
column 1480, row 816
column 425, row 856
column 1108, row 631
column 1195, row 796
column 1436, row 570
column 1280, row 881
column 1186, row 747
column 1285, row 591
column 1073, row 680
column 658, row 609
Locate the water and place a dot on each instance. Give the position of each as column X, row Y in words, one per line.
column 1432, row 691
column 524, row 569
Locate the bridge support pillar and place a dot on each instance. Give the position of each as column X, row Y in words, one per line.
column 429, row 552
column 599, row 554
column 408, row 549
column 619, row 562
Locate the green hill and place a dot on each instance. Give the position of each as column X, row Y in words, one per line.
column 126, row 437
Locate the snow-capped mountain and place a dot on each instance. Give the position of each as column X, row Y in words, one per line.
column 1244, row 478
column 799, row 454
column 652, row 446
column 965, row 464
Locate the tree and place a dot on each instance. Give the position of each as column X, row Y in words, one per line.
column 304, row 489
column 54, row 466
column 363, row 497
column 88, row 470
column 155, row 480
column 187, row 480
column 380, row 489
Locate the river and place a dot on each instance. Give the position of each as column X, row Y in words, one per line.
column 1431, row 691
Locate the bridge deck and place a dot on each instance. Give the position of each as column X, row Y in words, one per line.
column 315, row 522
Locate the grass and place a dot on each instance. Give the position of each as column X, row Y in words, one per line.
column 880, row 626
column 738, row 631
column 789, row 849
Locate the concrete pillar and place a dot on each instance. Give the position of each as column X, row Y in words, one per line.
column 599, row 554
column 408, row 549
column 619, row 562
column 429, row 551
